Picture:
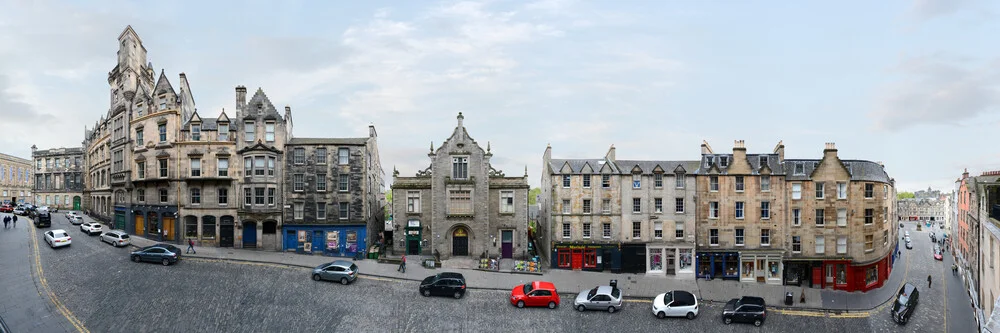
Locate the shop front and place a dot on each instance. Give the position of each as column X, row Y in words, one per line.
column 844, row 275
column 413, row 233
column 328, row 240
column 669, row 260
column 760, row 267
column 587, row 256
column 154, row 222
column 713, row 265
column 799, row 272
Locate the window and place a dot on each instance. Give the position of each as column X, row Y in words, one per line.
column 636, row 230
column 869, row 216
column 606, row 206
column 636, row 205
column 762, row 159
column 342, row 182
column 869, row 190
column 163, row 103
column 841, row 190
column 163, row 168
column 223, row 132
column 713, row 210
column 566, row 207
column 679, row 230
column 796, row 244
column 800, row 169
column 566, row 179
column 586, row 206
column 345, row 210
column 191, row 227
column 247, row 166
column 196, row 196
column 140, row 195
column 605, row 181
column 713, row 183
column 138, row 136
column 223, row 195
column 460, row 202
column 163, row 195
column 320, row 156
column 871, row 275
column 270, row 167
column 320, row 182
column 223, row 167
column 343, row 155
column 679, row 205
column 269, row 131
column 196, row 132
column 820, row 188
column 765, row 237
column 658, row 230
column 765, row 183
column 565, row 230
column 713, row 237
column 299, row 156
column 739, row 210
column 507, row 202
column 249, row 129
column 247, row 196
column 885, row 191
column 586, row 181
column 258, row 165
column 321, row 210
column 586, row 230
column 820, row 218
column 636, row 180
column 869, row 243
column 658, row 205
column 140, row 169
column 606, row 230
column 796, row 216
column 162, row 128
column 765, row 210
column 195, row 168
column 885, row 214
column 299, row 207
column 739, row 236
column 460, row 169
column 739, row 183
column 842, row 217
column 679, row 180
column 270, row 196
column 841, row 244
column 658, row 180
column 724, row 161
column 820, row 245
column 298, row 181
column 412, row 201
column 796, row 191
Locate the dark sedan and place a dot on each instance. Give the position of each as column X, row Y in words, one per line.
column 162, row 253
column 906, row 302
column 444, row 284
column 746, row 309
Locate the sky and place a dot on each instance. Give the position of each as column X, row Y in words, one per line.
column 914, row 84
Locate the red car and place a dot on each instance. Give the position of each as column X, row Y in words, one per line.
column 536, row 293
column 937, row 253
column 6, row 209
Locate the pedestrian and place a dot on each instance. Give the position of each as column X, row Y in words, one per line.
column 190, row 248
column 402, row 265
column 15, row 220
column 928, row 281
column 6, row 219
column 954, row 269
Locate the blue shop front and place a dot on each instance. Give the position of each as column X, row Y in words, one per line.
column 715, row 265
column 328, row 240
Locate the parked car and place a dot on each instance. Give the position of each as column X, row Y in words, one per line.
column 443, row 284
column 906, row 301
column 535, row 293
column 906, row 233
column 163, row 253
column 58, row 238
column 6, row 208
column 909, row 244
column 18, row 211
column 340, row 270
column 746, row 309
column 900, row 224
column 676, row 303
column 937, row 253
column 92, row 228
column 72, row 213
column 116, row 238
column 42, row 217
column 76, row 220
column 601, row 298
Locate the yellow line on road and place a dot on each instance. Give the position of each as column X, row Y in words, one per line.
column 45, row 285
column 637, row 300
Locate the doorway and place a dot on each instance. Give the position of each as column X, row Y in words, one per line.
column 140, row 225
column 460, row 242
column 249, row 235
column 76, row 203
column 168, row 228
column 226, row 232
column 507, row 243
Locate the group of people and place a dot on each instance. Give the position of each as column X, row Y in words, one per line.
column 9, row 221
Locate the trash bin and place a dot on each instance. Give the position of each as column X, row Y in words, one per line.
column 614, row 283
column 788, row 298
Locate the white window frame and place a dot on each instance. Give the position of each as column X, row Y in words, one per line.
column 321, row 211
column 586, row 230
column 739, row 211
column 739, row 183
column 713, row 209
column 298, row 211
column 343, row 156
column 842, row 245
column 566, row 207
column 412, row 201
column 820, row 246
column 841, row 217
column 765, row 210
column 298, row 182
column 459, row 167
column 269, row 131
column 566, row 180
column 765, row 237
column 606, row 230
column 713, row 237
column 249, row 131
column 506, row 202
column 739, row 236
column 841, row 191
column 820, row 190
column 679, row 205
column 765, row 183
column 658, row 230
column 796, row 244
column 796, row 191
column 796, row 216
column 658, row 205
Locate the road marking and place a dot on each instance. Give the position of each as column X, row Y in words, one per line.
column 377, row 278
column 944, row 285
column 638, row 300
column 45, row 285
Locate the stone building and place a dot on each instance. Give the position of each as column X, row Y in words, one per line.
column 335, row 189
column 923, row 210
column 16, row 180
column 59, row 177
column 637, row 216
column 460, row 205
column 985, row 284
column 97, row 167
column 208, row 199
column 966, row 239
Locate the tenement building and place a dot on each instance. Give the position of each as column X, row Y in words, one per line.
column 260, row 144
column 923, row 210
column 460, row 205
column 58, row 177
column 16, row 180
column 965, row 240
column 207, row 201
column 985, row 286
column 622, row 215
column 335, row 189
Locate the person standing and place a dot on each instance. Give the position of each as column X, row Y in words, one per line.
column 928, row 281
column 190, row 248
column 402, row 265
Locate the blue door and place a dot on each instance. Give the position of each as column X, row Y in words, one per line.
column 249, row 235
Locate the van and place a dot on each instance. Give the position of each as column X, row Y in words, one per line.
column 42, row 217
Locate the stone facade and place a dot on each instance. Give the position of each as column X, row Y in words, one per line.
column 58, row 177
column 260, row 144
column 206, row 150
column 985, row 284
column 460, row 205
column 16, row 180
column 923, row 209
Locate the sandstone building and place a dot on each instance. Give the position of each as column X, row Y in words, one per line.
column 16, row 180
column 58, row 177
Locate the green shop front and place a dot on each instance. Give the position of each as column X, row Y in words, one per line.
column 413, row 237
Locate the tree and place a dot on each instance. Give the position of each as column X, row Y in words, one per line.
column 533, row 195
column 388, row 204
column 905, row 195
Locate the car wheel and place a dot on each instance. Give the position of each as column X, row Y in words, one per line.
column 520, row 304
column 343, row 281
column 427, row 293
column 458, row 295
column 611, row 309
column 757, row 322
column 136, row 258
column 581, row 308
column 166, row 262
column 727, row 320
column 316, row 277
column 552, row 305
column 661, row 315
column 690, row 315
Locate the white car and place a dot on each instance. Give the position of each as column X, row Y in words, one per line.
column 92, row 228
column 75, row 220
column 57, row 238
column 676, row 303
column 19, row 211
column 72, row 213
column 116, row 238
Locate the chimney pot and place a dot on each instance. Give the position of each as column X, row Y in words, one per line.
column 831, row 145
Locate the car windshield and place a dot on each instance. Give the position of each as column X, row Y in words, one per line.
column 123, row 236
column 903, row 299
column 667, row 298
column 527, row 288
column 591, row 293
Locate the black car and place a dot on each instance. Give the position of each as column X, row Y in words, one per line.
column 42, row 217
column 444, row 284
column 906, row 301
column 162, row 253
column 746, row 309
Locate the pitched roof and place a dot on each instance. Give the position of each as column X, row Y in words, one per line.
column 860, row 170
column 576, row 165
column 327, row 141
column 163, row 85
column 713, row 160
column 648, row 166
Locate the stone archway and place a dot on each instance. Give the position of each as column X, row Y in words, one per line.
column 460, row 241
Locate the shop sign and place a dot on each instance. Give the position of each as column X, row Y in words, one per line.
column 413, row 223
column 580, row 247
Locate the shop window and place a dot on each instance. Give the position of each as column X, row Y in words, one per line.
column 772, row 269
column 590, row 259
column 871, row 275
column 747, row 269
column 655, row 259
column 841, row 274
column 685, row 260
column 565, row 259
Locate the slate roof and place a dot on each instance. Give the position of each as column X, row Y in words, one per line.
column 753, row 159
column 577, row 165
column 647, row 167
column 859, row 170
column 327, row 141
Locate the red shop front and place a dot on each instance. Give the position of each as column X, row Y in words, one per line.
column 843, row 275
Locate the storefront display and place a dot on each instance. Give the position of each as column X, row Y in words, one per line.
column 685, row 262
column 655, row 260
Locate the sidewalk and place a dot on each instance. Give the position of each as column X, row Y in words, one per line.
column 632, row 285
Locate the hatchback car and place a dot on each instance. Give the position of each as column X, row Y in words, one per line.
column 57, row 238
column 71, row 214
column 676, row 303
column 340, row 270
column 443, row 284
column 19, row 211
column 6, row 208
column 746, row 309
column 92, row 228
column 906, row 301
column 535, row 293
column 909, row 244
column 937, row 253
column 116, row 238
column 606, row 298
column 162, row 253
column 75, row 220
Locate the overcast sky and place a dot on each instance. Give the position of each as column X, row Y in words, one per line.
column 911, row 83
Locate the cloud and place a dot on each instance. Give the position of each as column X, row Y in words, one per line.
column 928, row 9
column 14, row 111
column 935, row 91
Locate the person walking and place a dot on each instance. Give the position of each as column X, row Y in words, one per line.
column 190, row 248
column 928, row 281
column 6, row 219
column 15, row 220
column 402, row 265
column 954, row 269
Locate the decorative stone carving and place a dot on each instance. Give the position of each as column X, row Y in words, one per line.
column 425, row 173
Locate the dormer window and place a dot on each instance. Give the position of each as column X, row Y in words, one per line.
column 139, row 109
column 709, row 160
column 163, row 103
column 724, row 161
column 223, row 132
column 800, row 169
column 763, row 160
column 196, row 132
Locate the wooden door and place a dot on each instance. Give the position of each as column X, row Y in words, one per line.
column 577, row 259
column 140, row 225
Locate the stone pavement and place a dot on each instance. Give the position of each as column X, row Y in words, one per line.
column 633, row 285
column 24, row 302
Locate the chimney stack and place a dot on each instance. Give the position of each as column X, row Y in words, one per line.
column 965, row 174
column 705, row 148
column 371, row 131
column 611, row 153
column 830, row 151
column 739, row 151
column 241, row 98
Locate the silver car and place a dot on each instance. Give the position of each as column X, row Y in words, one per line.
column 340, row 270
column 600, row 298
